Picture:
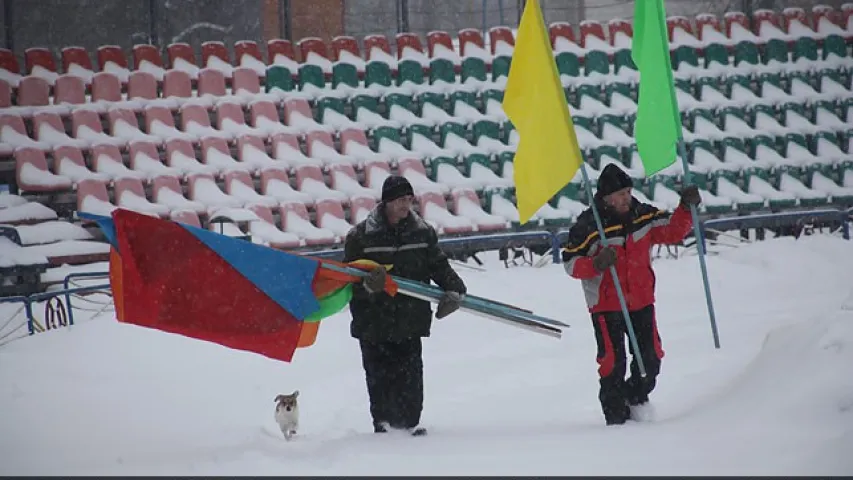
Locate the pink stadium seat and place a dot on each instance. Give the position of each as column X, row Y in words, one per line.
column 76, row 56
column 130, row 195
column 92, row 197
column 69, row 89
column 166, row 190
column 203, row 189
column 245, row 81
column 187, row 217
column 240, row 185
column 196, row 121
column 177, row 83
column 484, row 221
column 107, row 159
column 763, row 18
column 295, row 219
column 360, row 208
column 32, row 173
column 375, row 174
column 274, row 236
column 682, row 23
column 215, row 152
column 141, row 85
column 246, row 47
column 331, row 216
column 106, row 87
column 211, row 82
column 433, row 208
column 33, row 92
column 704, row 21
column 49, row 128
column 144, row 53
column 730, row 18
column 86, row 125
column 69, row 162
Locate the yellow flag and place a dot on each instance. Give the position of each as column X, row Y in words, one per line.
column 548, row 156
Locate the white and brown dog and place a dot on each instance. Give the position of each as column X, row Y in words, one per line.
column 287, row 414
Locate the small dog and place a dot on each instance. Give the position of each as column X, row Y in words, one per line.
column 287, row 414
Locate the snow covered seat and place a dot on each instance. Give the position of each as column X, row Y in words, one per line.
column 145, row 158
column 285, row 148
column 787, row 181
column 263, row 117
column 267, row 232
column 123, row 125
column 445, row 172
column 86, row 126
column 48, row 129
column 32, row 173
column 216, row 153
column 111, row 59
column 309, row 180
column 375, row 174
column 298, row 116
column 239, row 184
column 196, row 121
column 13, row 133
column 214, row 56
column 107, row 159
column 498, row 202
column 724, row 184
column 92, row 197
column 15, row 210
column 360, row 208
column 276, row 184
column 142, row 92
column 230, row 118
column 159, row 122
column 68, row 162
column 180, row 155
column 330, row 216
column 413, row 170
column 321, row 146
column 344, row 179
column 181, row 57
column 130, row 195
column 166, row 190
column 252, row 151
column 433, row 209
column 177, row 86
column 106, row 89
column 203, row 189
column 354, row 145
column 146, row 58
column 466, row 204
column 70, row 90
column 295, row 219
column 839, row 194
column 757, row 182
column 187, row 217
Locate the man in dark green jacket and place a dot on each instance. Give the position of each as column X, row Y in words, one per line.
column 389, row 329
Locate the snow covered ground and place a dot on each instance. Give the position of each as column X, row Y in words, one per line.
column 104, row 398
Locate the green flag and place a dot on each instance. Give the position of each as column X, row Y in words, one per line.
column 658, row 125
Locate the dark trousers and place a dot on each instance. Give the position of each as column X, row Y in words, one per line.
column 611, row 333
column 394, row 373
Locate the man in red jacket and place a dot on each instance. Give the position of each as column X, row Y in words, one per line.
column 632, row 228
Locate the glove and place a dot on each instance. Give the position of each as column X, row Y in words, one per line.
column 605, row 259
column 375, row 280
column 690, row 196
column 449, row 303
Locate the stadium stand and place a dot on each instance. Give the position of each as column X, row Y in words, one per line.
column 292, row 144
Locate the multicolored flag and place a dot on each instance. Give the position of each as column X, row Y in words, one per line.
column 193, row 282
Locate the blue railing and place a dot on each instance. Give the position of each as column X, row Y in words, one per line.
column 29, row 300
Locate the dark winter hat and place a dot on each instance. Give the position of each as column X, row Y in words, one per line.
column 395, row 187
column 613, row 179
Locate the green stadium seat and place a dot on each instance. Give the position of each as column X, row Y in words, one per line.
column 686, row 55
column 311, row 75
column 746, row 53
column 805, row 48
column 344, row 75
column 377, row 74
column 716, row 53
column 473, row 69
column 834, row 45
column 568, row 64
column 596, row 61
column 279, row 77
column 500, row 67
column 622, row 59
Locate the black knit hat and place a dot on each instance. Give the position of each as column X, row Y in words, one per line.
column 395, row 187
column 612, row 179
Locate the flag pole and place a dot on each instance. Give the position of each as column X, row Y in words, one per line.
column 630, row 326
column 700, row 245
